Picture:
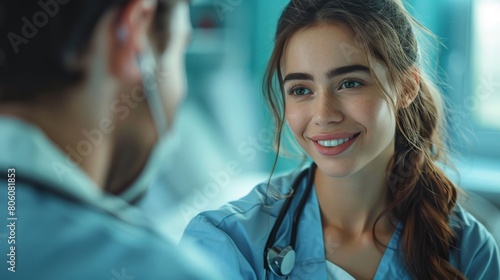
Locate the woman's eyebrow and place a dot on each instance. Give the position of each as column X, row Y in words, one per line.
column 298, row 76
column 329, row 74
column 346, row 69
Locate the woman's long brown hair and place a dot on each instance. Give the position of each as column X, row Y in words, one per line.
column 420, row 195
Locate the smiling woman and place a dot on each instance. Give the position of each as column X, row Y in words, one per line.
column 345, row 77
column 344, row 105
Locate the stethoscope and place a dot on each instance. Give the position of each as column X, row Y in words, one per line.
column 282, row 260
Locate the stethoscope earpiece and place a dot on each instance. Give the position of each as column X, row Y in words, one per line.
column 281, row 261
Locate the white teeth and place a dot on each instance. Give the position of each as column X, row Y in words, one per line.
column 334, row 143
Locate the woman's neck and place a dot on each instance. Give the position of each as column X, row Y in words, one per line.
column 353, row 203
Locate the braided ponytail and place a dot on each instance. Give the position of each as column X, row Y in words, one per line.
column 420, row 194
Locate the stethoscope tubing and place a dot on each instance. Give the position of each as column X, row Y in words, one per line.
column 284, row 210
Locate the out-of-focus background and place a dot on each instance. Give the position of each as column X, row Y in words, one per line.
column 222, row 146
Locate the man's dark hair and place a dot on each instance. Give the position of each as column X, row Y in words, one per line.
column 38, row 35
column 35, row 38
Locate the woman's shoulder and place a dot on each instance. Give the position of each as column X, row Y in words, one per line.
column 236, row 233
column 475, row 253
column 263, row 201
column 467, row 227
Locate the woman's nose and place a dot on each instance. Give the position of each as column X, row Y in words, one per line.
column 327, row 109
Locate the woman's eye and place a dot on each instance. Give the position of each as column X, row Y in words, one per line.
column 300, row 91
column 350, row 84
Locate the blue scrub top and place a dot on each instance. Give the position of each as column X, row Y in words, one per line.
column 67, row 228
column 235, row 236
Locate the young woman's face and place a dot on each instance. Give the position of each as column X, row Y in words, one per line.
column 335, row 110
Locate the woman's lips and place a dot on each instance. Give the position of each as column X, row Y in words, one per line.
column 334, row 144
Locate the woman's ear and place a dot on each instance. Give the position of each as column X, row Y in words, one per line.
column 411, row 88
column 129, row 37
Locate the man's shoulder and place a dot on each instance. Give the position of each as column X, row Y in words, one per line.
column 56, row 238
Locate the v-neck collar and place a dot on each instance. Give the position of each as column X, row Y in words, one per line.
column 310, row 248
column 389, row 264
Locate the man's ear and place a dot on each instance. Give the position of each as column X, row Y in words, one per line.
column 129, row 38
column 411, row 88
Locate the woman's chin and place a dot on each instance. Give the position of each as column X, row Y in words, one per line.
column 336, row 170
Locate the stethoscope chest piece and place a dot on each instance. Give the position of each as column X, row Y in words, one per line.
column 281, row 261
